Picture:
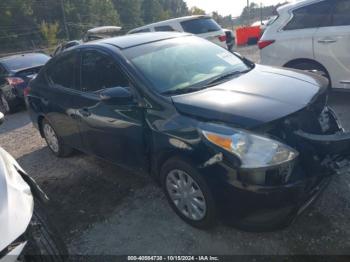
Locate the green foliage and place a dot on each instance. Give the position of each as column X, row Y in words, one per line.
column 130, row 12
column 196, row 11
column 49, row 32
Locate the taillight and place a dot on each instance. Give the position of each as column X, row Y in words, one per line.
column 222, row 38
column 264, row 43
column 14, row 81
column 26, row 91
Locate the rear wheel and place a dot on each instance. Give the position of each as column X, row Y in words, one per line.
column 44, row 242
column 54, row 141
column 188, row 193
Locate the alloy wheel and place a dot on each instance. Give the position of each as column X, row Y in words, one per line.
column 51, row 138
column 186, row 195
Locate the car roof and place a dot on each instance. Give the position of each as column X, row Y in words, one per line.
column 128, row 41
column 296, row 4
column 179, row 19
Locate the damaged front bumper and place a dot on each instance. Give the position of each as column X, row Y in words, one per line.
column 275, row 203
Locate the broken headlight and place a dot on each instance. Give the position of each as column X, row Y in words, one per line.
column 254, row 151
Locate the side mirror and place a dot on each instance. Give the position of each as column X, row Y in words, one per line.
column 2, row 118
column 117, row 96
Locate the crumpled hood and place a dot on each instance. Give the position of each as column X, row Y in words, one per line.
column 16, row 201
column 261, row 96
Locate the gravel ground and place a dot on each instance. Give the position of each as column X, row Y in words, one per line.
column 103, row 209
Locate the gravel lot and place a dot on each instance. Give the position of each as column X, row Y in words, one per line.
column 103, row 209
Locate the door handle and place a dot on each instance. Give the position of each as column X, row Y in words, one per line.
column 85, row 112
column 327, row 41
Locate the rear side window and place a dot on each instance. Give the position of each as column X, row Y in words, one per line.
column 311, row 16
column 164, row 28
column 99, row 71
column 200, row 26
column 341, row 15
column 62, row 72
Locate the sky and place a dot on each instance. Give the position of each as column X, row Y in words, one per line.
column 227, row 7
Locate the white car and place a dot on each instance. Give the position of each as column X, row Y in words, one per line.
column 311, row 35
column 201, row 25
column 25, row 230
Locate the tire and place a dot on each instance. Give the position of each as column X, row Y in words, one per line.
column 7, row 103
column 44, row 242
column 309, row 66
column 54, row 141
column 205, row 214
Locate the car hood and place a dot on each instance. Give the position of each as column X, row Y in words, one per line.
column 260, row 96
column 16, row 201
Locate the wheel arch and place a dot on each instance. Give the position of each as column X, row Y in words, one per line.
column 40, row 125
column 306, row 61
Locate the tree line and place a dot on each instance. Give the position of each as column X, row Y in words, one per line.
column 33, row 24
column 30, row 24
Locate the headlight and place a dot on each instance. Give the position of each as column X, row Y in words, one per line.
column 254, row 151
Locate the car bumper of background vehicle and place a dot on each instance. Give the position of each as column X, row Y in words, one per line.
column 261, row 208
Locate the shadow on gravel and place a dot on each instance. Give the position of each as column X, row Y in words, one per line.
column 14, row 121
column 82, row 189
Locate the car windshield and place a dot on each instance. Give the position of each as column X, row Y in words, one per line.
column 25, row 61
column 182, row 63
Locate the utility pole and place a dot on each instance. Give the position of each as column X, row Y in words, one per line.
column 248, row 8
column 261, row 13
column 64, row 20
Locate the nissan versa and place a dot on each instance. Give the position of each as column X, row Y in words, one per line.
column 225, row 137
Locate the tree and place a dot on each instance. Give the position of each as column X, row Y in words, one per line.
column 130, row 13
column 49, row 32
column 196, row 11
column 175, row 8
column 152, row 11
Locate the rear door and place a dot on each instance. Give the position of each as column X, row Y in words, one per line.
column 113, row 132
column 57, row 95
column 332, row 44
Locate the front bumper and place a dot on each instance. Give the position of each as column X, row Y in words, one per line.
column 257, row 208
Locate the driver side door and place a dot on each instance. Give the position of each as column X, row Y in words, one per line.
column 112, row 132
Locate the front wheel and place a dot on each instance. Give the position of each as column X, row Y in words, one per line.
column 44, row 242
column 5, row 104
column 188, row 193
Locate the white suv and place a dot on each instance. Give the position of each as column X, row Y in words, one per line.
column 311, row 35
column 200, row 25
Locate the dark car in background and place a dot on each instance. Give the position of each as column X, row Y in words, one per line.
column 15, row 73
column 223, row 136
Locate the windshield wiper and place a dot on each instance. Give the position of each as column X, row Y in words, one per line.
column 223, row 77
column 180, row 91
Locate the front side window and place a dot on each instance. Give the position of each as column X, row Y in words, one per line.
column 99, row 71
column 62, row 72
column 311, row 16
column 341, row 15
column 179, row 64
column 200, row 26
column 164, row 28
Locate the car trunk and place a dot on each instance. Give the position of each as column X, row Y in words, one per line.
column 27, row 75
column 316, row 133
